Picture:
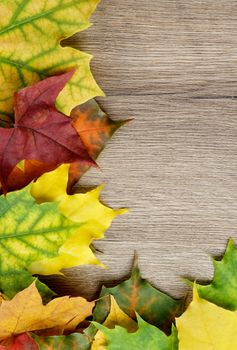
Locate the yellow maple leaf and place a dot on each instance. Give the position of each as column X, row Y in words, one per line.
column 116, row 317
column 30, row 50
column 86, row 208
column 206, row 326
column 26, row 312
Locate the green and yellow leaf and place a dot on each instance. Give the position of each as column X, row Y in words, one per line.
column 28, row 232
column 30, row 50
column 45, row 238
column 85, row 209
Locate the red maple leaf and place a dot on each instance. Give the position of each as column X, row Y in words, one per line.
column 40, row 132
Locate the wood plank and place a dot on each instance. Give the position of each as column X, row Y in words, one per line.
column 172, row 66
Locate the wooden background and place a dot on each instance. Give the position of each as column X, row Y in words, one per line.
column 170, row 64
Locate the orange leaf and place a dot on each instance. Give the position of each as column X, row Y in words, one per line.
column 95, row 129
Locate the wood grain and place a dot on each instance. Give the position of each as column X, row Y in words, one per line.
column 170, row 64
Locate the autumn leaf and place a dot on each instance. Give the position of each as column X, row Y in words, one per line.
column 116, row 317
column 26, row 313
column 20, row 342
column 28, row 232
column 86, row 208
column 136, row 294
column 58, row 233
column 74, row 341
column 223, row 289
column 146, row 337
column 95, row 129
column 205, row 326
column 40, row 132
column 30, row 36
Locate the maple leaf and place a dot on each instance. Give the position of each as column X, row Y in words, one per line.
column 28, row 232
column 146, row 337
column 79, row 208
column 40, row 132
column 136, row 294
column 20, row 342
column 95, row 129
column 205, row 326
column 116, row 317
column 44, row 238
column 26, row 313
column 30, row 35
column 222, row 290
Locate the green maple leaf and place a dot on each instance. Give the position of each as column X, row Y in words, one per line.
column 137, row 295
column 146, row 337
column 28, row 232
column 222, row 290
column 30, row 36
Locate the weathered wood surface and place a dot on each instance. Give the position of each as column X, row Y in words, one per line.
column 172, row 65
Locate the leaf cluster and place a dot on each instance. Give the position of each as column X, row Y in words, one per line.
column 118, row 320
column 51, row 132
